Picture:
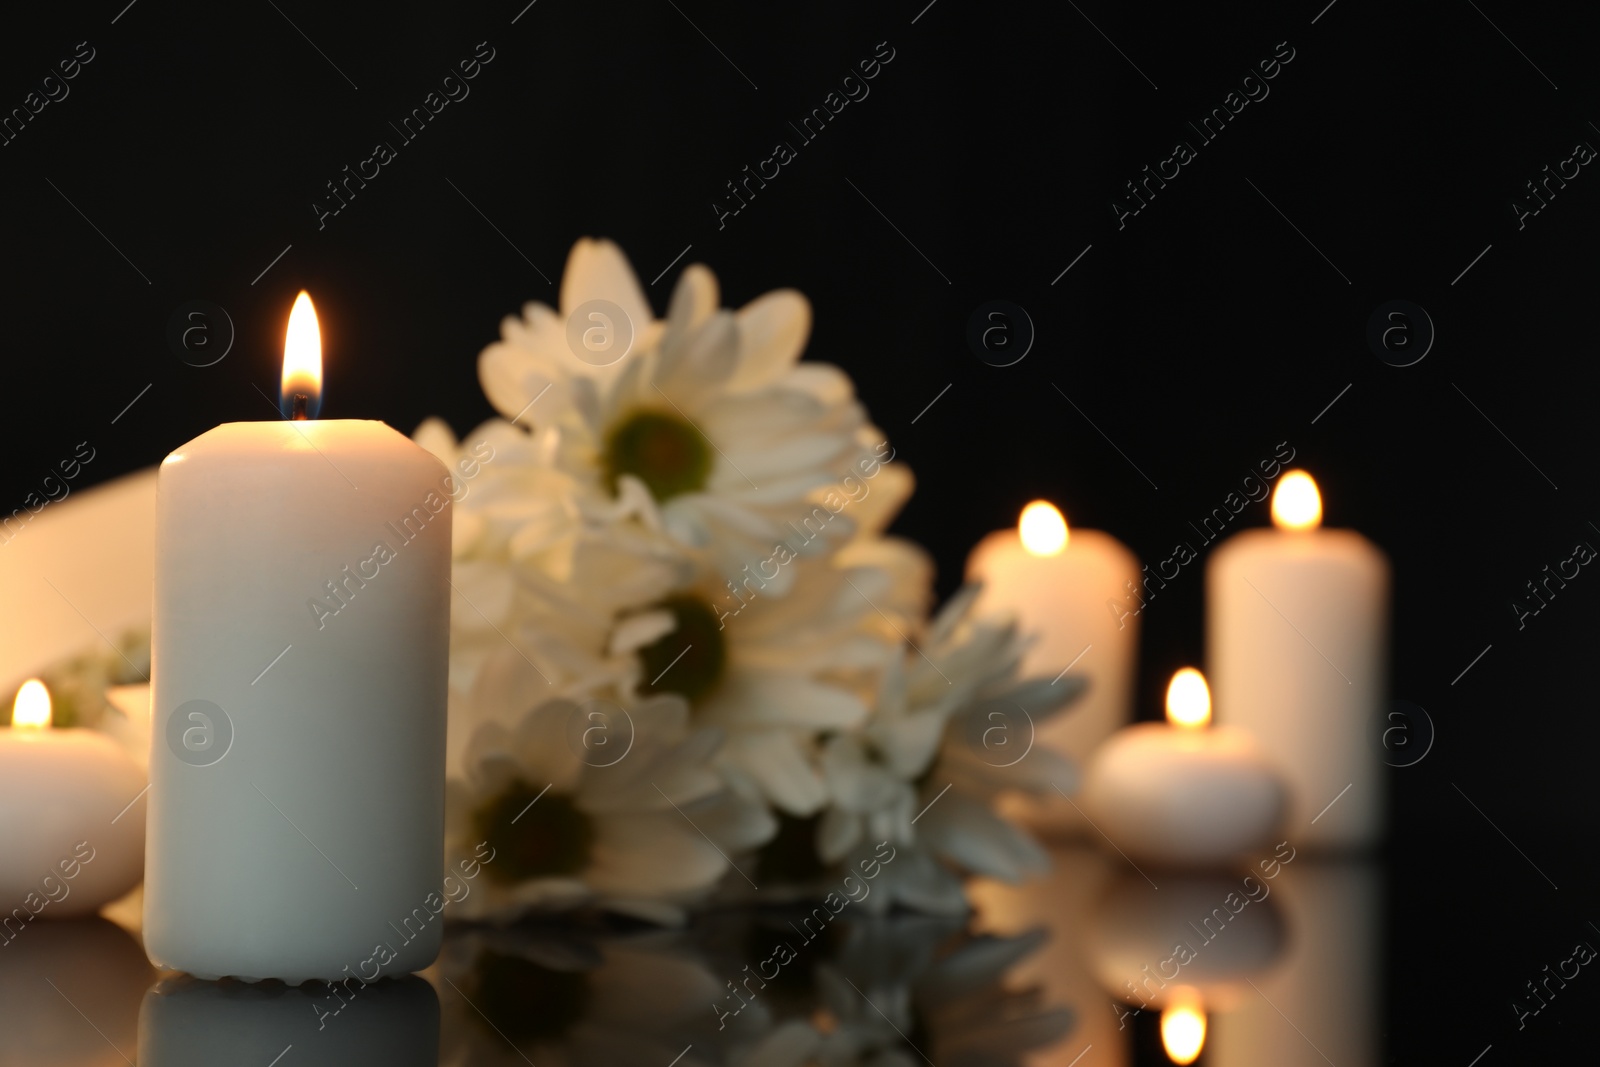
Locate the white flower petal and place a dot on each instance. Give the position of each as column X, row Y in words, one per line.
column 699, row 364
column 773, row 698
column 773, row 329
column 597, row 270
column 972, row 835
column 694, row 300
column 775, row 760
column 640, row 630
column 646, row 854
column 838, row 832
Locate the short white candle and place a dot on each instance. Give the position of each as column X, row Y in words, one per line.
column 1297, row 629
column 1183, row 793
column 68, row 841
column 1057, row 582
column 300, row 647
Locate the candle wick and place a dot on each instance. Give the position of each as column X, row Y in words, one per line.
column 298, row 410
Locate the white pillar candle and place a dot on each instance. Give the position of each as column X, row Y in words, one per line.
column 1058, row 584
column 300, row 647
column 1297, row 627
column 1180, row 792
column 71, row 835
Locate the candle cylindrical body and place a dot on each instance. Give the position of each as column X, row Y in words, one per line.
column 300, row 650
column 1297, row 628
column 1061, row 600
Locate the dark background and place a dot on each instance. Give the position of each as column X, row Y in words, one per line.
column 1196, row 338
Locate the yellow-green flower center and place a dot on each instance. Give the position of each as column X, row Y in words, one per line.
column 532, row 840
column 690, row 660
column 660, row 449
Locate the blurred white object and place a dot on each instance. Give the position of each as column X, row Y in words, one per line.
column 128, row 720
column 1297, row 638
column 1058, row 583
column 81, row 571
column 70, row 840
column 1184, row 792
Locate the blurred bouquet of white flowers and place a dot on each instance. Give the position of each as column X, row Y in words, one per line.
column 685, row 657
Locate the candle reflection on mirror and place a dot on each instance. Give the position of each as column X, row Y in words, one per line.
column 1198, row 940
column 1321, row 1004
column 1062, row 901
column 53, row 977
column 189, row 1022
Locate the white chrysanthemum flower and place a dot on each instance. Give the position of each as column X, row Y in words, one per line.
column 538, row 576
column 949, row 730
column 709, row 411
column 771, row 673
column 638, row 825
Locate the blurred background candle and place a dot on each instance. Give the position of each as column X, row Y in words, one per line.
column 1297, row 628
column 71, row 834
column 1057, row 582
column 1183, row 792
column 298, row 694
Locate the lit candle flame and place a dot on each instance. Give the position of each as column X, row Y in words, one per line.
column 1296, row 504
column 301, row 392
column 1183, row 1026
column 1188, row 702
column 31, row 709
column 1043, row 529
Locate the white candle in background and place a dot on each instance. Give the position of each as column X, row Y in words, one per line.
column 71, row 834
column 1297, row 629
column 1184, row 792
column 1058, row 582
column 300, row 646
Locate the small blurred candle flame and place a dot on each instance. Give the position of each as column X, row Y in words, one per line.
column 302, row 358
column 1296, row 504
column 31, row 709
column 1043, row 529
column 1188, row 702
column 1183, row 1026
